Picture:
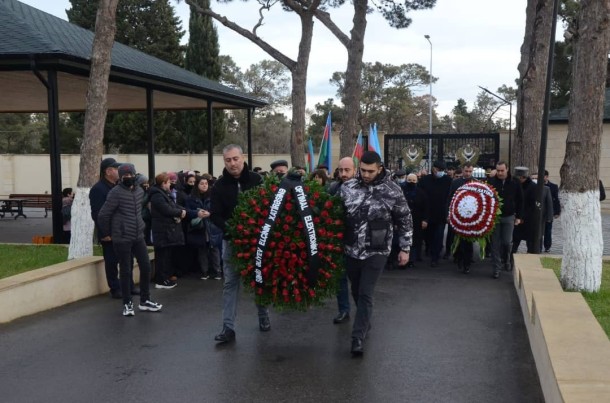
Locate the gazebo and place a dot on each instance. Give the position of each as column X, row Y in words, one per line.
column 44, row 67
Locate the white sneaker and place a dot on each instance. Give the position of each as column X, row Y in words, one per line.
column 149, row 305
column 128, row 309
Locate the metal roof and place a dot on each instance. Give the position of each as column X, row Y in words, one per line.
column 30, row 38
column 561, row 115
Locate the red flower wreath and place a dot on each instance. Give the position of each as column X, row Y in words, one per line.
column 473, row 213
column 285, row 261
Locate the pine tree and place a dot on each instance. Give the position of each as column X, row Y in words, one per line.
column 202, row 57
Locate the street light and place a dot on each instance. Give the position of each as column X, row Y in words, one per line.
column 430, row 125
column 510, row 122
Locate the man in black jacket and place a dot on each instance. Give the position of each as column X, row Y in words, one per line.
column 511, row 213
column 548, row 226
column 235, row 178
column 120, row 222
column 436, row 185
column 97, row 197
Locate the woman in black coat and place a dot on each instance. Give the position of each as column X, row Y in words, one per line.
column 166, row 229
column 200, row 236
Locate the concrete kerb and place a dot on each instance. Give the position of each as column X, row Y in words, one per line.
column 53, row 286
column 571, row 350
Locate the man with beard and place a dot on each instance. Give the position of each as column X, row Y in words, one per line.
column 374, row 206
column 236, row 178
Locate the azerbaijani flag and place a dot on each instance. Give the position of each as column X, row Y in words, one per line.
column 358, row 150
column 310, row 156
column 325, row 150
column 374, row 140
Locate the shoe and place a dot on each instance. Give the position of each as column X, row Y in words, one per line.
column 496, row 274
column 205, row 277
column 264, row 324
column 410, row 265
column 128, row 309
column 217, row 277
column 225, row 336
column 167, row 284
column 466, row 269
column 116, row 294
column 547, row 250
column 357, row 349
column 446, row 256
column 460, row 265
column 149, row 305
column 135, row 291
column 341, row 317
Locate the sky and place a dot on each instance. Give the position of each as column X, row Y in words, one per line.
column 474, row 43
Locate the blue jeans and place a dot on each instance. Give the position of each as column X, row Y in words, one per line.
column 363, row 274
column 230, row 290
column 343, row 294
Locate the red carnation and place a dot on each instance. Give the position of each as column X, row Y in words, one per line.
column 328, row 204
column 288, row 206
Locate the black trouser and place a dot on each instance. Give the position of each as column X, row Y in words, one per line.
column 463, row 252
column 163, row 263
column 125, row 252
column 363, row 275
column 111, row 263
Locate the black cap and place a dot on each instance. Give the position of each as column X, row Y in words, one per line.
column 400, row 172
column 279, row 163
column 108, row 163
column 439, row 164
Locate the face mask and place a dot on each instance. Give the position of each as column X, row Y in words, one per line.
column 172, row 186
column 188, row 188
column 128, row 181
column 411, row 185
column 401, row 180
column 440, row 174
column 535, row 180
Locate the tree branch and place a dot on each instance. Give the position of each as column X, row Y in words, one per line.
column 324, row 18
column 273, row 52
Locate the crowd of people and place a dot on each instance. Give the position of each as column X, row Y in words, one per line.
column 393, row 220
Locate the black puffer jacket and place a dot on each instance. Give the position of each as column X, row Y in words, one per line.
column 165, row 230
column 224, row 194
column 121, row 215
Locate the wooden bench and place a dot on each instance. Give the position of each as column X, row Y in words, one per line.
column 42, row 200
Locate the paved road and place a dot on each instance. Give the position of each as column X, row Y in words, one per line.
column 438, row 336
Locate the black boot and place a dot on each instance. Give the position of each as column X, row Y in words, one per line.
column 357, row 348
column 226, row 335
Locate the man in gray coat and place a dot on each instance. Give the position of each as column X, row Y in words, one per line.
column 120, row 221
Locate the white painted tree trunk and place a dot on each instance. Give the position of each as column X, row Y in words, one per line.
column 81, row 241
column 583, row 244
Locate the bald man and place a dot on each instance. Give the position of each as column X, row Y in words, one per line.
column 346, row 172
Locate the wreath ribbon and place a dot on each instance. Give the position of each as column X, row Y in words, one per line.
column 290, row 184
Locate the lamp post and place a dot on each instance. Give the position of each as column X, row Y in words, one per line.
column 510, row 122
column 430, row 113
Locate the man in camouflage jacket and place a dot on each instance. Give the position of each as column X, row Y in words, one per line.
column 374, row 205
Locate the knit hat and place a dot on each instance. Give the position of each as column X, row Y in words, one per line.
column 439, row 164
column 522, row 171
column 172, row 176
column 125, row 169
column 279, row 163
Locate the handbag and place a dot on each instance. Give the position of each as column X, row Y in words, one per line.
column 196, row 224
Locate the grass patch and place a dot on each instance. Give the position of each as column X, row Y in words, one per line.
column 599, row 302
column 21, row 258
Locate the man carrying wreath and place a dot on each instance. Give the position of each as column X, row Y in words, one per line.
column 374, row 204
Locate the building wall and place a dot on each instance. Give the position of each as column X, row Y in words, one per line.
column 30, row 173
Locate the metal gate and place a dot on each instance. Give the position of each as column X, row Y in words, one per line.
column 410, row 151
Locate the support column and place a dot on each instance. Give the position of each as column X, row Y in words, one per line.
column 55, row 155
column 210, row 139
column 150, row 132
column 249, row 133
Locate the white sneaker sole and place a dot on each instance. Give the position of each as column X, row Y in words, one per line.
column 165, row 287
column 131, row 313
column 149, row 309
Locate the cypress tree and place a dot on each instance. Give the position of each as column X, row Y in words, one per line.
column 202, row 57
